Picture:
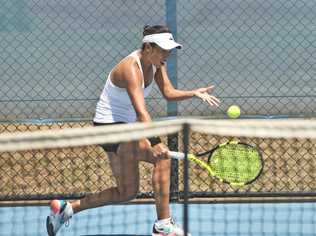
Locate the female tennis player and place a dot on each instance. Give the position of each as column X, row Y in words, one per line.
column 123, row 101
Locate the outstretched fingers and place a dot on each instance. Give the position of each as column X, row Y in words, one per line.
column 212, row 100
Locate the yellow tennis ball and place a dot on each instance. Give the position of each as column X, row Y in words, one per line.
column 233, row 112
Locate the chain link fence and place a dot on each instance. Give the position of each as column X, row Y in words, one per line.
column 259, row 54
column 55, row 56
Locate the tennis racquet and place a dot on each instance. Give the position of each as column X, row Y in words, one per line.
column 235, row 163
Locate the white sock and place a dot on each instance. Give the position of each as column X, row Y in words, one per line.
column 160, row 223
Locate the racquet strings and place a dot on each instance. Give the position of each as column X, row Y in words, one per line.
column 236, row 163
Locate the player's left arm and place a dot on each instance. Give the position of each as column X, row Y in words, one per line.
column 173, row 94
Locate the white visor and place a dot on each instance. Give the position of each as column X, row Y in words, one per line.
column 163, row 40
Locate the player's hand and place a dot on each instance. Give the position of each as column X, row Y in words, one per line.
column 160, row 151
column 205, row 95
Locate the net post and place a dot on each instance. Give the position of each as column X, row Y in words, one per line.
column 172, row 107
column 186, row 137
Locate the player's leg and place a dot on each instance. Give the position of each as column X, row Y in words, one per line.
column 124, row 167
column 160, row 178
column 164, row 224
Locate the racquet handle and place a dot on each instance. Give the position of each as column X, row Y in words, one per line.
column 176, row 155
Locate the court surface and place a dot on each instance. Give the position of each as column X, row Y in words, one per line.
column 297, row 219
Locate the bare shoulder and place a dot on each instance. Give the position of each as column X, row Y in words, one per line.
column 126, row 71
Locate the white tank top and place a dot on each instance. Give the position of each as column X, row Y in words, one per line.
column 115, row 104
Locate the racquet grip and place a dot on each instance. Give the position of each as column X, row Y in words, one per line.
column 176, row 155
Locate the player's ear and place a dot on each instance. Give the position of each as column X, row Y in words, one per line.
column 147, row 47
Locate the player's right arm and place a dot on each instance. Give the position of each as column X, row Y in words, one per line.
column 127, row 75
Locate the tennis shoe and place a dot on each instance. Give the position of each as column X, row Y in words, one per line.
column 168, row 229
column 55, row 220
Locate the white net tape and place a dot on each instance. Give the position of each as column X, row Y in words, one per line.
column 289, row 128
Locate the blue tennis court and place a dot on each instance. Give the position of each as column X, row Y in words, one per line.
column 283, row 219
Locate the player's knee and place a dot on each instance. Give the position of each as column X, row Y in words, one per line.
column 128, row 193
column 143, row 146
column 162, row 171
column 128, row 196
column 163, row 165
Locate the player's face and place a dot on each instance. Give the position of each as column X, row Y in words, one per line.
column 159, row 56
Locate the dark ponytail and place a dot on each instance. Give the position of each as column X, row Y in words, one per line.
column 155, row 29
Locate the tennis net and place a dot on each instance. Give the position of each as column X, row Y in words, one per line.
column 70, row 164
